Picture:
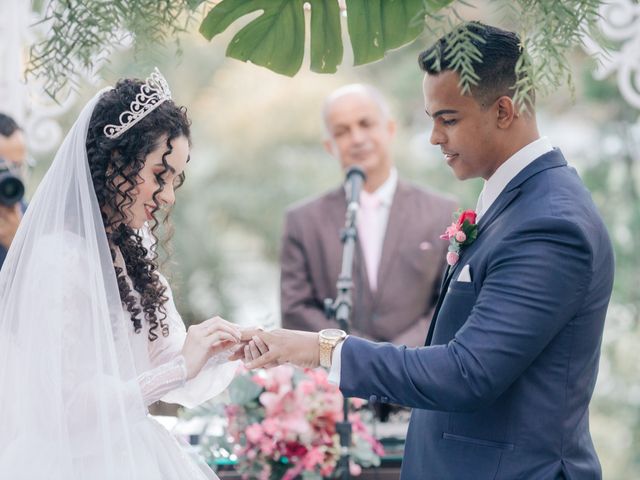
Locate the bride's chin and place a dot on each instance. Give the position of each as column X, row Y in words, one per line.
column 134, row 223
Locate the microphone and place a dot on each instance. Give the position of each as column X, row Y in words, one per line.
column 353, row 183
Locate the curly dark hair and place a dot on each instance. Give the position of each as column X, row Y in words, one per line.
column 115, row 165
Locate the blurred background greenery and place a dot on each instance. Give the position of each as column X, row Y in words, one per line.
column 257, row 149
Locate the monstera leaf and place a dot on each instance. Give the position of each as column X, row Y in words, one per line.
column 276, row 38
column 376, row 26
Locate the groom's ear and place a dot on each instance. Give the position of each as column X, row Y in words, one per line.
column 506, row 112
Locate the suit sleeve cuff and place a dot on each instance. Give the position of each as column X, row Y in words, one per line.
column 334, row 371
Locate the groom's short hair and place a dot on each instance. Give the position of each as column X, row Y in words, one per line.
column 500, row 51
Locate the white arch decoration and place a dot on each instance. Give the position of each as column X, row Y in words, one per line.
column 619, row 23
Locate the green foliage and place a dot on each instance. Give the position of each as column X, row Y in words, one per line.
column 461, row 53
column 84, row 32
column 548, row 31
column 377, row 26
column 326, row 36
column 243, row 390
column 274, row 40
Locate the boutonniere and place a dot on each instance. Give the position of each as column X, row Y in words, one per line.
column 461, row 233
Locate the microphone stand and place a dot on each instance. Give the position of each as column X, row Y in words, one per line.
column 340, row 308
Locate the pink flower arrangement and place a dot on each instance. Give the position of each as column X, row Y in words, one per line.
column 288, row 426
column 462, row 232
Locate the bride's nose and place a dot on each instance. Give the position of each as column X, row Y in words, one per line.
column 167, row 196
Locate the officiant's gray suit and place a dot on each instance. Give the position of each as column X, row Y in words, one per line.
column 409, row 275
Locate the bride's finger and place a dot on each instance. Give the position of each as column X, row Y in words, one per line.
column 217, row 322
column 214, row 327
column 238, row 352
column 220, row 337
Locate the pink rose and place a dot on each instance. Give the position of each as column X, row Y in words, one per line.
column 313, row 457
column 327, row 470
column 254, row 433
column 450, row 232
column 270, row 426
column 460, row 236
column 355, row 469
column 452, row 258
column 306, row 387
column 267, row 446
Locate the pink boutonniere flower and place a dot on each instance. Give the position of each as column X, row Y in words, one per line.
column 461, row 233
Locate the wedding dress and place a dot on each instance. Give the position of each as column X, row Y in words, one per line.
column 75, row 379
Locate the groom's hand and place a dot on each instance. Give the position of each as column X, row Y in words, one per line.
column 283, row 346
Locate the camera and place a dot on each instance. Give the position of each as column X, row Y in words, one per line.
column 11, row 185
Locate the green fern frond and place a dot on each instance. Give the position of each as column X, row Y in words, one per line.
column 84, row 32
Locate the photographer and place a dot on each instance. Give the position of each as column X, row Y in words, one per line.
column 13, row 157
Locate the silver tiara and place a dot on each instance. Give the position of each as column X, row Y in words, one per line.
column 153, row 93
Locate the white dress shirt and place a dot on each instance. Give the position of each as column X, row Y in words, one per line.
column 507, row 172
column 372, row 224
column 492, row 189
column 385, row 193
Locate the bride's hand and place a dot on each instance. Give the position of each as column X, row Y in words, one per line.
column 206, row 339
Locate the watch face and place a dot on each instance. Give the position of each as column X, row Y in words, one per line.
column 332, row 333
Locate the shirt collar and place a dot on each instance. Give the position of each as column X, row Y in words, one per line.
column 509, row 169
column 387, row 190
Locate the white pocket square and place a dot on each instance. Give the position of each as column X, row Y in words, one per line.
column 465, row 274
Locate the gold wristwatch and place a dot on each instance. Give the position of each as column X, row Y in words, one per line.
column 329, row 338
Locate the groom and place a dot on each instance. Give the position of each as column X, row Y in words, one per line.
column 502, row 387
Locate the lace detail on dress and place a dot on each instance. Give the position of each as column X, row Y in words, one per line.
column 155, row 383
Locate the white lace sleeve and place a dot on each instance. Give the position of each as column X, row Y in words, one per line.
column 169, row 376
column 212, row 380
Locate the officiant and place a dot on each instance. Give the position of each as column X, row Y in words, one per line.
column 399, row 258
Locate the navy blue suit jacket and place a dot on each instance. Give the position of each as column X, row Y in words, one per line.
column 503, row 387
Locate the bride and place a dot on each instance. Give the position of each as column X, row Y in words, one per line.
column 89, row 333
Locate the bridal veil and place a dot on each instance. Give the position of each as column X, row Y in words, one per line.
column 68, row 390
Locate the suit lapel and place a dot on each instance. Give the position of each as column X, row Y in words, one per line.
column 398, row 214
column 503, row 200
column 551, row 159
column 446, row 279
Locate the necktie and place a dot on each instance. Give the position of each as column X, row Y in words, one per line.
column 369, row 235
